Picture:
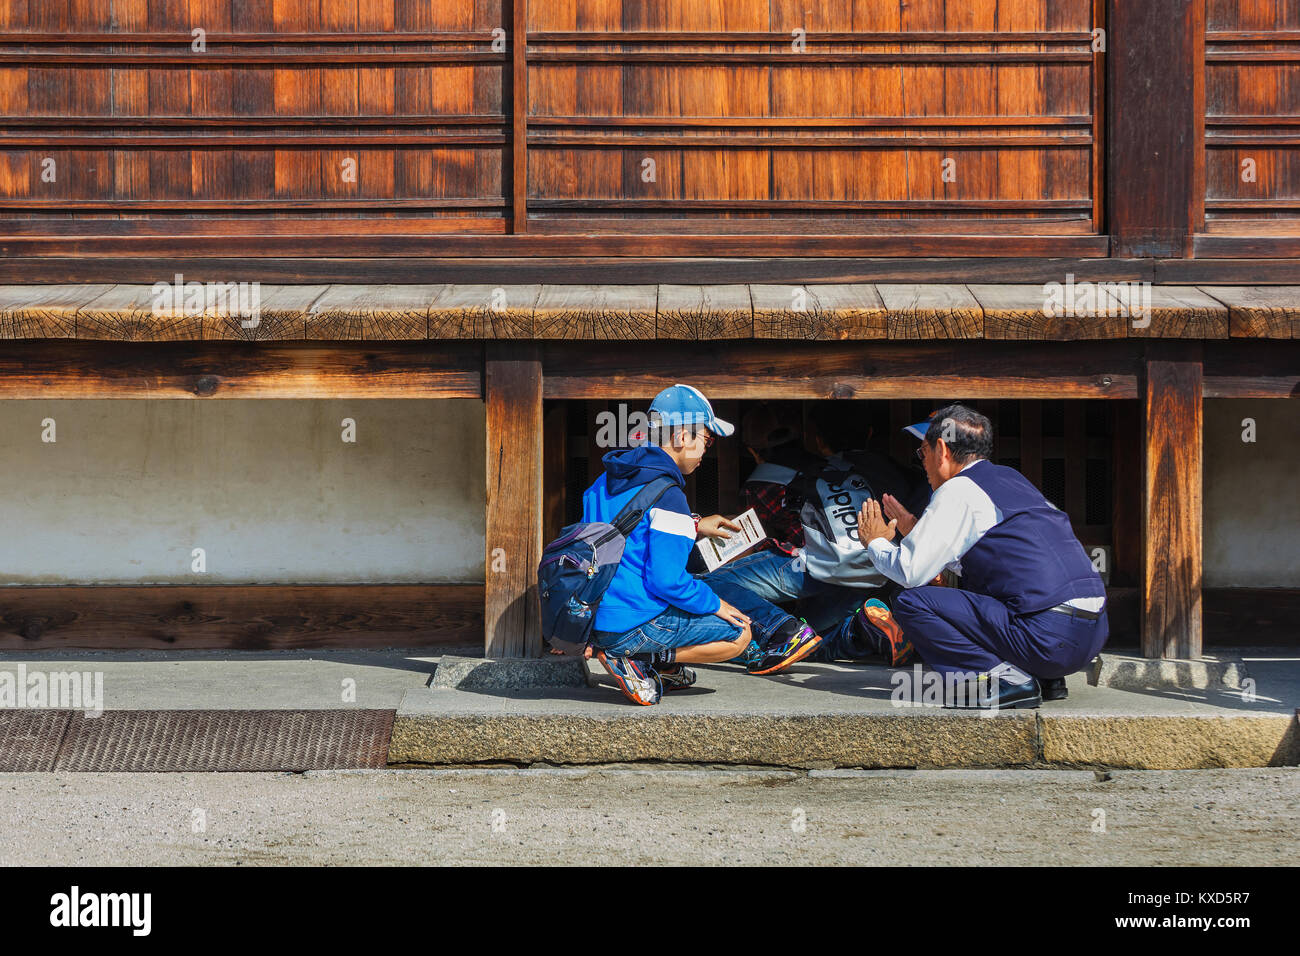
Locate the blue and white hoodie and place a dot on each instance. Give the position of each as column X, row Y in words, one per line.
column 652, row 574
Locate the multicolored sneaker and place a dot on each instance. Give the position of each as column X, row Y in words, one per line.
column 780, row 654
column 639, row 682
column 875, row 622
column 676, row 677
column 751, row 656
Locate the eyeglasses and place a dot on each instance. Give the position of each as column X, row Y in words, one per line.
column 708, row 439
column 920, row 452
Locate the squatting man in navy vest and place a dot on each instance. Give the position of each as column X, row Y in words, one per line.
column 1030, row 608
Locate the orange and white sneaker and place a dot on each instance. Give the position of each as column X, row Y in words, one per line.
column 638, row 682
column 875, row 622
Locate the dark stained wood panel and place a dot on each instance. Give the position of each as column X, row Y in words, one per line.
column 1252, row 119
column 700, row 119
column 294, row 110
column 706, row 112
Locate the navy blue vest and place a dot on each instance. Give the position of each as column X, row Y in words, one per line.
column 1031, row 560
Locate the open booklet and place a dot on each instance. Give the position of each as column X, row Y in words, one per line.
column 718, row 551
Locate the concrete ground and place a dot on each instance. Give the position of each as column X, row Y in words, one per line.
column 379, row 679
column 655, row 816
column 246, row 680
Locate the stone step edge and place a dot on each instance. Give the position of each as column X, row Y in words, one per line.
column 876, row 741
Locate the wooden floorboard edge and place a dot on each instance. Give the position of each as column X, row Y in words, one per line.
column 458, row 312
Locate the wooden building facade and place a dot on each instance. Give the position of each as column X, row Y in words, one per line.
column 642, row 185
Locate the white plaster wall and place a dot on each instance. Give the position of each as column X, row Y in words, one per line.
column 1252, row 494
column 267, row 488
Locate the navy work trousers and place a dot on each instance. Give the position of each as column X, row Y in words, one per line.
column 961, row 632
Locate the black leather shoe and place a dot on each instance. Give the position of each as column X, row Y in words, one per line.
column 985, row 695
column 1053, row 688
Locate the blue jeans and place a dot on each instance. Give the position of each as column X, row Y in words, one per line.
column 673, row 628
column 774, row 577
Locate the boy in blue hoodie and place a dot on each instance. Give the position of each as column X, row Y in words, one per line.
column 656, row 617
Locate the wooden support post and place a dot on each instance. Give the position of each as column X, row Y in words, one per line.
column 513, row 388
column 1155, row 145
column 1171, row 525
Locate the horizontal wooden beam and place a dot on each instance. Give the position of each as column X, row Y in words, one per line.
column 70, row 139
column 634, row 270
column 581, row 140
column 1259, row 368
column 230, row 617
column 215, row 37
column 112, row 60
column 812, row 37
column 103, row 238
column 72, row 369
column 1246, row 246
column 846, row 370
column 800, row 122
column 800, row 60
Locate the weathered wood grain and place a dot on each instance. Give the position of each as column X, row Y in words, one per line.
column 819, row 312
column 932, row 311
column 596, row 312
column 371, row 313
column 513, row 541
column 44, row 311
column 282, row 317
column 704, row 312
column 483, row 312
column 137, row 313
column 1029, row 312
column 1181, row 312
column 1260, row 312
column 1172, row 495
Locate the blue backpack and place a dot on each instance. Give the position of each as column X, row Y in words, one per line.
column 576, row 569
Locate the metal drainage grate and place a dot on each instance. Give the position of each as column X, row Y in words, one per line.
column 198, row 740
column 29, row 739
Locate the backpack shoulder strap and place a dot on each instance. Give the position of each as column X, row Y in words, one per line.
column 641, row 502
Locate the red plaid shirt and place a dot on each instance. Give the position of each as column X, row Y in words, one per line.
column 781, row 522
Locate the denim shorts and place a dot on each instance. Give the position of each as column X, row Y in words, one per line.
column 672, row 628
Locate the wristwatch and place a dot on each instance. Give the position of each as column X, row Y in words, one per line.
column 696, row 519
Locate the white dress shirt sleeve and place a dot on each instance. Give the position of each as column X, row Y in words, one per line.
column 959, row 514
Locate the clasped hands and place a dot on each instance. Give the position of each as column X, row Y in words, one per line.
column 882, row 519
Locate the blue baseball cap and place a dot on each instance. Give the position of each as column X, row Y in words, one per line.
column 684, row 405
column 920, row 429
